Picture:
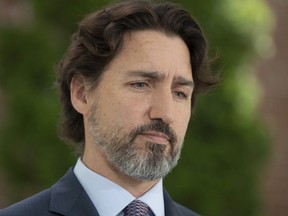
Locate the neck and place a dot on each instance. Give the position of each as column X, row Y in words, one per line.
column 96, row 161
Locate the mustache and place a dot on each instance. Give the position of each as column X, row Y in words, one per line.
column 158, row 126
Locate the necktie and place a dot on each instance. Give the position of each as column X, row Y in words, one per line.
column 136, row 208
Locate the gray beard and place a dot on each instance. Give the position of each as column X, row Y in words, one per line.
column 149, row 163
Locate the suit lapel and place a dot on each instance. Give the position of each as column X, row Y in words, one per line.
column 69, row 198
column 170, row 208
column 83, row 206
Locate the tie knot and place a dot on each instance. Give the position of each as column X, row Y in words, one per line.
column 136, row 208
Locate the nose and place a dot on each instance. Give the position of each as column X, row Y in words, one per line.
column 161, row 108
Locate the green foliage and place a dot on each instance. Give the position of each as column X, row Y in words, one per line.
column 30, row 150
column 225, row 147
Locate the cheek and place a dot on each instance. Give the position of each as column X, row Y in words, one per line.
column 126, row 113
column 182, row 123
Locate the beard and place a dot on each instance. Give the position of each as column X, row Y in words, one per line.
column 142, row 161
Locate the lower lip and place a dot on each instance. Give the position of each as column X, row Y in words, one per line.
column 155, row 139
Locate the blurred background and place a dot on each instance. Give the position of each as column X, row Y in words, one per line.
column 235, row 157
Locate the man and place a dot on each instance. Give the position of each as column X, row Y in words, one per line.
column 128, row 83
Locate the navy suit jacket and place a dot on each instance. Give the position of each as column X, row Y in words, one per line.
column 67, row 197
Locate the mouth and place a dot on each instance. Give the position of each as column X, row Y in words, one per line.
column 155, row 137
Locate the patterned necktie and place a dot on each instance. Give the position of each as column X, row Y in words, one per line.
column 136, row 208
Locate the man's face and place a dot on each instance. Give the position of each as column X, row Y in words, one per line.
column 140, row 110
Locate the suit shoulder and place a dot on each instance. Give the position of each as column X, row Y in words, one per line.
column 37, row 204
column 185, row 211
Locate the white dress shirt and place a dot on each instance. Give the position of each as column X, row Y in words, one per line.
column 110, row 199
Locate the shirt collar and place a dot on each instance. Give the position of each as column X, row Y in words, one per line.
column 110, row 198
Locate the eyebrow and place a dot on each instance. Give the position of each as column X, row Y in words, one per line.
column 180, row 80
column 184, row 82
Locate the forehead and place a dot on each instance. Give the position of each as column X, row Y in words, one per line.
column 151, row 50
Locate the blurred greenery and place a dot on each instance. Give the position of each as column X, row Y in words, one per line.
column 226, row 144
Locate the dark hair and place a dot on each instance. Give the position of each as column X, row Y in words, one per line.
column 100, row 37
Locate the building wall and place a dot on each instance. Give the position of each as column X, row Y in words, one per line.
column 273, row 76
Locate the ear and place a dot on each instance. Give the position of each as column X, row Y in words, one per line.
column 79, row 94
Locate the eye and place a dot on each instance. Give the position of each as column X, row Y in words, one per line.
column 181, row 95
column 139, row 85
